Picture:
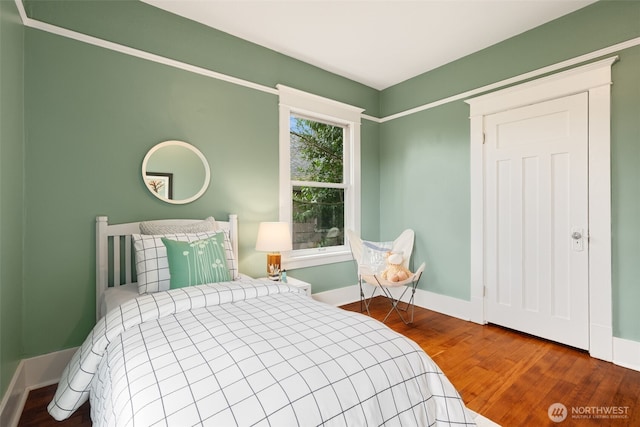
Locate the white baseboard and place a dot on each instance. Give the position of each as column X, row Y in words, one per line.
column 340, row 296
column 45, row 370
column 14, row 398
column 32, row 373
column 443, row 304
column 432, row 301
column 626, row 353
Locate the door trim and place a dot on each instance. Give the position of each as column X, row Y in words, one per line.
column 594, row 78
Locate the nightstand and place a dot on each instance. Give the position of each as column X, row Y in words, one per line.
column 297, row 283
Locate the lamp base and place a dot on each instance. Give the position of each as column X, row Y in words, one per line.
column 273, row 266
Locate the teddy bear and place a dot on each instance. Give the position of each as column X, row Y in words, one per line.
column 395, row 271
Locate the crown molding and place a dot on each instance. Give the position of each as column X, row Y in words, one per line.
column 519, row 78
column 33, row 23
column 74, row 35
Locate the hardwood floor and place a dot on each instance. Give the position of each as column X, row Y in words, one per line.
column 509, row 377
column 513, row 378
column 35, row 411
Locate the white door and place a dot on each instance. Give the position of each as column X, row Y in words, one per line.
column 536, row 213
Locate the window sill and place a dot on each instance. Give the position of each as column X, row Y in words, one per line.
column 291, row 263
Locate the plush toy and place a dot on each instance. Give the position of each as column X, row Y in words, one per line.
column 395, row 271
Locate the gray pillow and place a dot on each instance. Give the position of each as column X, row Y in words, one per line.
column 157, row 227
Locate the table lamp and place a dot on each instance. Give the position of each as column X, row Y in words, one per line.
column 273, row 237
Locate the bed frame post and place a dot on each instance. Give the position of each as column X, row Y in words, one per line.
column 102, row 254
column 233, row 232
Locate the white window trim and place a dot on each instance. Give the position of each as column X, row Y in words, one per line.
column 294, row 101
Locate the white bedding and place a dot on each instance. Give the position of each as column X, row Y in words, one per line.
column 117, row 295
column 251, row 352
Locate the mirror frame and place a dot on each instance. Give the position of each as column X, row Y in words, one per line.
column 174, row 143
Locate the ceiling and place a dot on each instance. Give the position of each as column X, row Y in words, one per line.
column 378, row 43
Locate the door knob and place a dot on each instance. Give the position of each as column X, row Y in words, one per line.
column 578, row 241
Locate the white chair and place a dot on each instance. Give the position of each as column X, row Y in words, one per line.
column 370, row 258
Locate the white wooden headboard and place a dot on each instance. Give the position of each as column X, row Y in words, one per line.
column 115, row 255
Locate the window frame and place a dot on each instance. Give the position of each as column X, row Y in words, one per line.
column 313, row 107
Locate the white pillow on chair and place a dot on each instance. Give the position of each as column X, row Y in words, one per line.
column 374, row 256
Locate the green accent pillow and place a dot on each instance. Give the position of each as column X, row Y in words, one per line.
column 196, row 263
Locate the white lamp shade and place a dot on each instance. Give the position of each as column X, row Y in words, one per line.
column 273, row 237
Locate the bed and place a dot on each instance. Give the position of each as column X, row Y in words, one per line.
column 116, row 280
column 240, row 352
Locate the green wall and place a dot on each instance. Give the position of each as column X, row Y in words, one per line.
column 139, row 25
column 11, row 190
column 425, row 172
column 625, row 192
column 92, row 114
column 424, row 185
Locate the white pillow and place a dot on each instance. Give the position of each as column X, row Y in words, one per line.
column 232, row 262
column 158, row 227
column 374, row 256
column 152, row 264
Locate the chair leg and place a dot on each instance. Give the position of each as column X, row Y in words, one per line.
column 411, row 303
column 395, row 302
column 364, row 301
column 394, row 305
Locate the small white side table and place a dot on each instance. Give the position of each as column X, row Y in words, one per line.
column 297, row 283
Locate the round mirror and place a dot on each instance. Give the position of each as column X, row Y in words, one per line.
column 176, row 172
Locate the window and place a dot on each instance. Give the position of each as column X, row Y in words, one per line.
column 319, row 176
column 316, row 151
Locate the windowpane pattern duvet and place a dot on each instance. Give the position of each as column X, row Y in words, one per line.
column 252, row 353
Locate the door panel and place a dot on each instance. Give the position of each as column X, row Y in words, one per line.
column 536, row 196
